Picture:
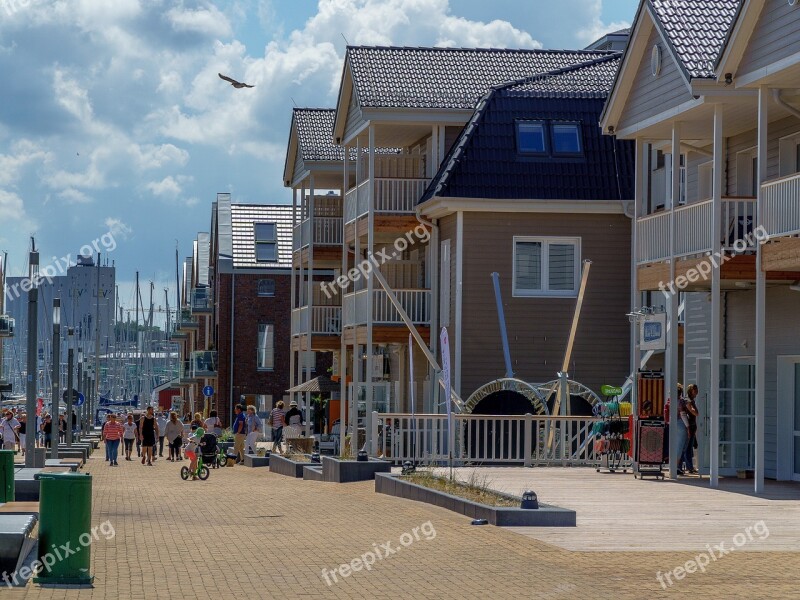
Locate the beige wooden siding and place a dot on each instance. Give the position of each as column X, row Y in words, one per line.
column 298, row 164
column 697, row 333
column 650, row 96
column 538, row 328
column 448, row 230
column 743, row 141
column 776, row 36
column 783, row 337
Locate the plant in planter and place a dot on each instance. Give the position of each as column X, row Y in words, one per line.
column 226, row 436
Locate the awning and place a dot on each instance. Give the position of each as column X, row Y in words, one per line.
column 321, row 384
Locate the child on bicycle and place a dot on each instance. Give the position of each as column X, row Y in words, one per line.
column 193, row 449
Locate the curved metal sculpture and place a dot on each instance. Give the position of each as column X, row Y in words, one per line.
column 507, row 384
column 549, row 392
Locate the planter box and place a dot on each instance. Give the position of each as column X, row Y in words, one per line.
column 313, row 472
column 284, row 466
column 346, row 471
column 544, row 516
column 225, row 445
column 252, row 460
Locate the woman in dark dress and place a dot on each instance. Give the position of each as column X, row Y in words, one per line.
column 148, row 429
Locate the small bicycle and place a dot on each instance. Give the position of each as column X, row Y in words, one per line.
column 200, row 472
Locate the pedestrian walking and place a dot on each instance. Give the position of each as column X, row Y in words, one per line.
column 102, row 433
column 9, row 428
column 148, row 429
column 162, row 432
column 62, row 428
column 47, row 430
column 137, row 419
column 112, row 434
column 174, row 434
column 213, row 423
column 254, row 428
column 239, row 427
column 277, row 419
column 129, row 436
column 23, row 424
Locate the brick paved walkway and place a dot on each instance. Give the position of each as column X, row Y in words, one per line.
column 246, row 533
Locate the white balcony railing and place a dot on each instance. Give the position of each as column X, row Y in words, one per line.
column 782, row 206
column 392, row 196
column 484, row 439
column 416, row 303
column 327, row 232
column 325, row 320
column 694, row 229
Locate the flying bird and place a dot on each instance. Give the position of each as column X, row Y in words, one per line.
column 233, row 82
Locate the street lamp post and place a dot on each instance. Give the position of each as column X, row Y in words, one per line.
column 56, row 403
column 33, row 357
column 80, row 386
column 70, row 332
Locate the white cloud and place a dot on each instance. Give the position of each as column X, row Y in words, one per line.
column 207, row 21
column 167, row 187
column 596, row 28
column 73, row 196
column 118, row 227
column 23, row 153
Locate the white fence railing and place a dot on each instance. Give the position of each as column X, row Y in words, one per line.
column 325, row 320
column 782, row 205
column 417, row 303
column 396, row 196
column 695, row 230
column 484, row 439
column 327, row 231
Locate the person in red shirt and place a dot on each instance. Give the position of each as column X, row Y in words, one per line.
column 112, row 434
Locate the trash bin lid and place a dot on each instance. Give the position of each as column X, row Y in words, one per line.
column 65, row 475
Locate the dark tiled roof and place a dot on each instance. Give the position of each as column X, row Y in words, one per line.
column 588, row 80
column 315, row 134
column 448, row 78
column 698, row 30
column 484, row 162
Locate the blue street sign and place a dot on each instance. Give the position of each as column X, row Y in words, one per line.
column 208, row 391
column 81, row 399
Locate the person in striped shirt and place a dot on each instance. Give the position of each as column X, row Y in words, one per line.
column 277, row 419
column 112, row 434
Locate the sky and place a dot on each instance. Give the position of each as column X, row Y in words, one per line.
column 113, row 119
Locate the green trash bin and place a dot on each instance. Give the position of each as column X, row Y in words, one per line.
column 7, row 475
column 65, row 512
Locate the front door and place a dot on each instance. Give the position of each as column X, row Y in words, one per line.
column 736, row 415
column 796, row 424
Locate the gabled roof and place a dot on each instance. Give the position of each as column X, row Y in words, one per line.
column 484, row 163
column 697, row 30
column 315, row 134
column 243, row 218
column 446, row 78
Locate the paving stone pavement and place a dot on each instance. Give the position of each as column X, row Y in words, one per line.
column 247, row 533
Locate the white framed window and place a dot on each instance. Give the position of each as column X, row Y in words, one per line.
column 546, row 266
column 789, row 155
column 266, row 347
column 531, row 137
column 266, row 241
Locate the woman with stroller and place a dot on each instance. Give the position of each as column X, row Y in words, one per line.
column 214, row 424
column 174, row 435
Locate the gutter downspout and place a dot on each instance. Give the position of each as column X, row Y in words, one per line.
column 233, row 329
column 433, row 374
column 776, row 96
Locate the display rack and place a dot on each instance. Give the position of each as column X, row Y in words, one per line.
column 611, row 442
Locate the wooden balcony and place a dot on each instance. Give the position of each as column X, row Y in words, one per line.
column 782, row 224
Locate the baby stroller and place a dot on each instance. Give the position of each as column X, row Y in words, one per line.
column 209, row 450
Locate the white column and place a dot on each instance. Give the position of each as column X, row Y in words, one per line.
column 761, row 293
column 342, row 344
column 638, row 196
column 370, row 280
column 356, row 350
column 716, row 301
column 671, row 366
column 293, row 304
column 310, row 304
column 459, row 302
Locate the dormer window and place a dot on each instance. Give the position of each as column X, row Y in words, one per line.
column 266, row 242
column 567, row 139
column 531, row 138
